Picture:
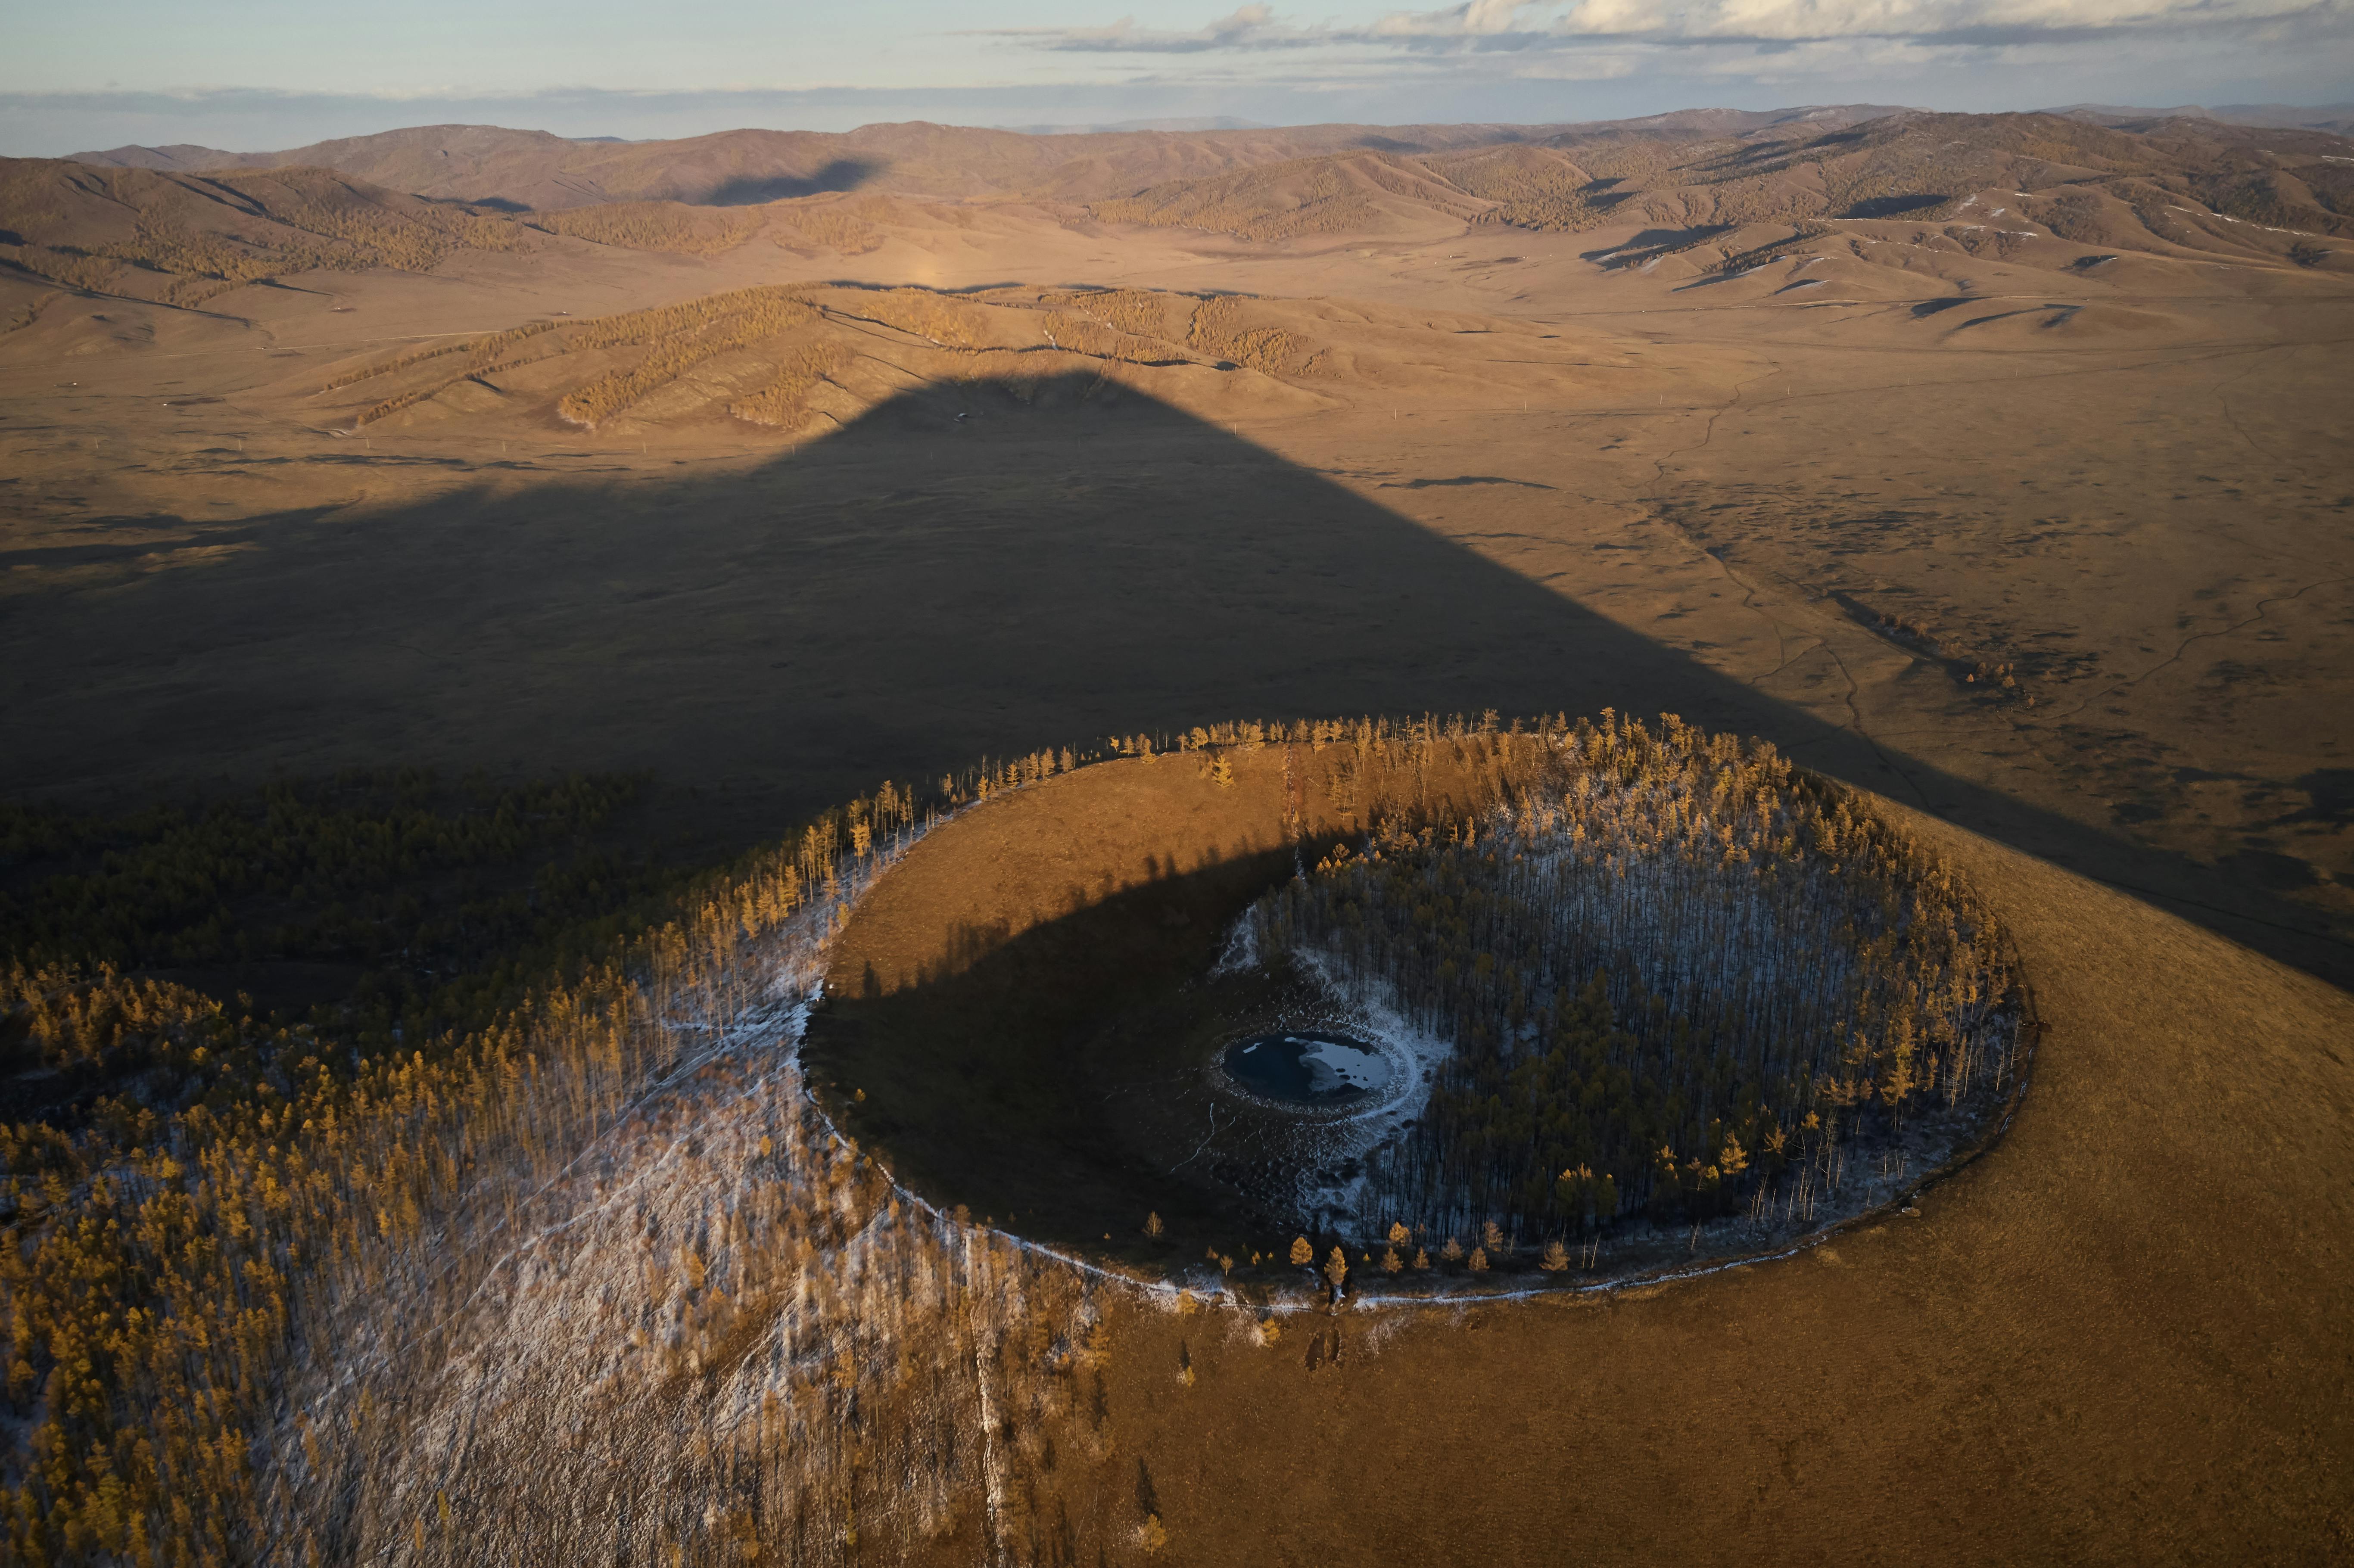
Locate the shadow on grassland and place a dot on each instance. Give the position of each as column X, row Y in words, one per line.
column 1068, row 559
column 752, row 190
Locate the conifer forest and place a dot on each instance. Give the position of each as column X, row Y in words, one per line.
column 1678, row 975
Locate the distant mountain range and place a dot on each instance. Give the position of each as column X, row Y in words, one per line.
column 193, row 222
column 2338, row 118
column 536, row 169
column 1211, row 122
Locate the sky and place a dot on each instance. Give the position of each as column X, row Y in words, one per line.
column 248, row 76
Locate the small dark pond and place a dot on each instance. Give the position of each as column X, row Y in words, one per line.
column 1307, row 1069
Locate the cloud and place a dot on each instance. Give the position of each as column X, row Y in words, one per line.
column 1516, row 26
column 1248, row 27
column 1479, row 18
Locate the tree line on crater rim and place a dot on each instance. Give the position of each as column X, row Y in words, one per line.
column 254, row 1197
column 1675, row 972
column 246, row 1197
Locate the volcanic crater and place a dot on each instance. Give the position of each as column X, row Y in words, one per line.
column 1542, row 1003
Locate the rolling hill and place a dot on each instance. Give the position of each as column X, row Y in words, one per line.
column 2246, row 189
column 180, row 238
column 536, row 169
column 1717, row 191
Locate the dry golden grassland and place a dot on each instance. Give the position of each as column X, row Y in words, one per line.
column 2024, row 513
column 812, row 335
column 238, row 229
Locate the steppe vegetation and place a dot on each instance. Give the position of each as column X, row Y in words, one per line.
column 1547, row 477
column 1675, row 971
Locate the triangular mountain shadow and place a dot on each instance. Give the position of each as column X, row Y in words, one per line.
column 969, row 568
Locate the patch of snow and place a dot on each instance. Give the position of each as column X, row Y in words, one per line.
column 1332, row 1065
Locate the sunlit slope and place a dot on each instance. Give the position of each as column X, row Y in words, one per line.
column 2182, row 188
column 794, row 359
column 2112, row 1339
column 180, row 239
column 535, row 169
column 185, row 240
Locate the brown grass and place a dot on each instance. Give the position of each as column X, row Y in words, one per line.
column 1281, row 201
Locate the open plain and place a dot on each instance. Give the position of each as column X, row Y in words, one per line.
column 1993, row 465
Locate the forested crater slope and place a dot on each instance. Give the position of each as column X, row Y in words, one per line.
column 1612, row 994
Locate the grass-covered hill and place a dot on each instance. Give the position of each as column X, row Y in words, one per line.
column 183, row 239
column 180, row 238
column 535, row 169
column 2194, row 184
column 182, row 225
column 790, row 357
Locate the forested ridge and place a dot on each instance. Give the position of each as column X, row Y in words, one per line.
column 201, row 236
column 256, row 1202
column 275, row 1279
column 399, row 900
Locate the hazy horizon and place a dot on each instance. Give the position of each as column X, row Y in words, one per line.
column 282, row 76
